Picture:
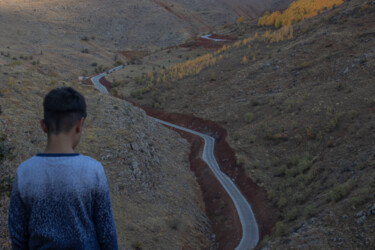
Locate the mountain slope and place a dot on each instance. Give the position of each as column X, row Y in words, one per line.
column 299, row 113
column 67, row 36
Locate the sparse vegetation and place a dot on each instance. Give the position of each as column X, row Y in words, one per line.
column 333, row 122
column 5, row 180
column 297, row 11
column 340, row 191
column 280, row 228
column 309, row 211
column 291, row 214
column 249, row 117
column 240, row 19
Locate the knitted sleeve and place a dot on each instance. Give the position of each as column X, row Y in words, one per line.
column 18, row 219
column 103, row 218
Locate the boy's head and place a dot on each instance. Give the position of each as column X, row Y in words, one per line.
column 63, row 108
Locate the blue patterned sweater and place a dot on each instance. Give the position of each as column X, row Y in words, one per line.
column 61, row 202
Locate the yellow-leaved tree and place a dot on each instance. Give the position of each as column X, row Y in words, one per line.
column 297, row 11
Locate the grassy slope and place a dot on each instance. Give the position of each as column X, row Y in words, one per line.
column 62, row 30
column 301, row 118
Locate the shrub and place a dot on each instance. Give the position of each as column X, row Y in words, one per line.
column 371, row 101
column 299, row 197
column 362, row 196
column 281, row 203
column 236, row 135
column 249, row 117
column 244, row 60
column 138, row 245
column 291, row 214
column 363, row 7
column 266, row 238
column 309, row 211
column 339, row 192
column 280, row 228
column 304, row 163
column 118, row 63
column 240, row 19
column 291, row 172
column 281, row 171
column 333, row 123
column 11, row 81
column 251, row 138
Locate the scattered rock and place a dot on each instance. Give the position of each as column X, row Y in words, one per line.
column 361, row 220
column 371, row 210
column 360, row 214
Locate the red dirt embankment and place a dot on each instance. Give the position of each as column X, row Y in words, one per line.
column 133, row 54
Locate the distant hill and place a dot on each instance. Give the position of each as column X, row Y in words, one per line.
column 64, row 29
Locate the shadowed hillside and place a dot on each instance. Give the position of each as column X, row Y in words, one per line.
column 298, row 104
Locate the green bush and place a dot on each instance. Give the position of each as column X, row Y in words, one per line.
column 339, row 192
column 291, row 172
column 333, row 123
column 299, row 197
column 304, row 164
column 309, row 211
column 371, row 101
column 249, row 117
column 280, row 228
column 281, row 203
column 291, row 214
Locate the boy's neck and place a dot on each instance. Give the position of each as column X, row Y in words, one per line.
column 59, row 144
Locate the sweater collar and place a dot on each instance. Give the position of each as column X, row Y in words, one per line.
column 57, row 155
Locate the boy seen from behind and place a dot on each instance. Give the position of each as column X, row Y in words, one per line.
column 60, row 199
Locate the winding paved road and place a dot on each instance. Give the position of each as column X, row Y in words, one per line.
column 96, row 79
column 250, row 232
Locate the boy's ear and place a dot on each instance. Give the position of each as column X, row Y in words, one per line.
column 43, row 125
column 79, row 125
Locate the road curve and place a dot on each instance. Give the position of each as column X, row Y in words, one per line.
column 250, row 231
column 96, row 79
column 208, row 37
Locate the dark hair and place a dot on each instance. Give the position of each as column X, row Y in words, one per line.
column 63, row 107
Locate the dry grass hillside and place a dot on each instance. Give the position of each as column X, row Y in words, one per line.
column 156, row 201
column 70, row 38
column 299, row 106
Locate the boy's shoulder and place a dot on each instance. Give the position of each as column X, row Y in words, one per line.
column 40, row 160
